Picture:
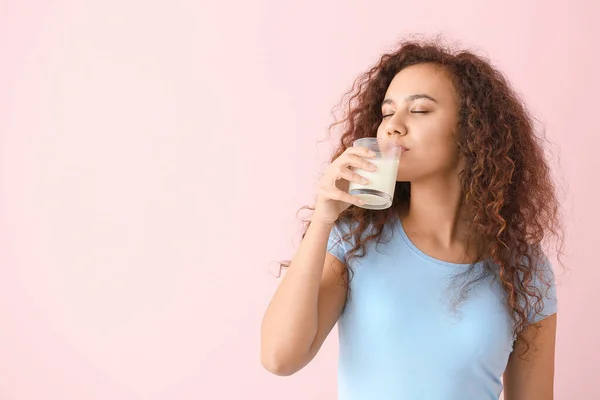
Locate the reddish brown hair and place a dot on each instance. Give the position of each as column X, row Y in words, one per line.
column 506, row 183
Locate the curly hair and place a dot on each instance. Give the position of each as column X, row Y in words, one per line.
column 506, row 182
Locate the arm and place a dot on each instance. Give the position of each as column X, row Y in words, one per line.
column 305, row 307
column 532, row 379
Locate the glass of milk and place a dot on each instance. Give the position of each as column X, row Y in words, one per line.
column 379, row 192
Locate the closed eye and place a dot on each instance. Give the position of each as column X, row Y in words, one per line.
column 412, row 112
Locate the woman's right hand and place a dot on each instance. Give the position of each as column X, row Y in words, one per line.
column 332, row 188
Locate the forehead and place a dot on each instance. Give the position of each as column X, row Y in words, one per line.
column 427, row 79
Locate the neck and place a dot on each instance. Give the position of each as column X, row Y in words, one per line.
column 436, row 211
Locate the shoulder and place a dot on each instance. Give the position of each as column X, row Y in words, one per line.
column 352, row 231
column 347, row 234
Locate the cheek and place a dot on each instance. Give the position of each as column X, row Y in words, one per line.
column 439, row 143
column 428, row 156
column 441, row 153
column 442, row 144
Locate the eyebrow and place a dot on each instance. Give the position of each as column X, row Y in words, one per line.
column 411, row 98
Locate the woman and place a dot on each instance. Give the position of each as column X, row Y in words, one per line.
column 447, row 291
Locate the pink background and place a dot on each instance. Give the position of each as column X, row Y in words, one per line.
column 154, row 155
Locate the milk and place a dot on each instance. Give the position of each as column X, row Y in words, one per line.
column 379, row 192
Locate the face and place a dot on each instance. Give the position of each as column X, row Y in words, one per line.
column 420, row 112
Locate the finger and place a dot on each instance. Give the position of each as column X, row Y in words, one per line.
column 357, row 161
column 352, row 176
column 360, row 151
column 339, row 195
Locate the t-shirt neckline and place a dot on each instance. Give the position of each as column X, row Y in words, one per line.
column 423, row 255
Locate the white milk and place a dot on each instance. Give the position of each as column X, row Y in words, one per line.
column 382, row 181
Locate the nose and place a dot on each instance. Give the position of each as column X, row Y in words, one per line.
column 392, row 131
column 395, row 127
column 395, row 132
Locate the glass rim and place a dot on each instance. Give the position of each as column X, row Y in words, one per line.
column 376, row 139
column 371, row 139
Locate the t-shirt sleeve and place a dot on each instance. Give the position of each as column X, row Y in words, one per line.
column 335, row 244
column 548, row 293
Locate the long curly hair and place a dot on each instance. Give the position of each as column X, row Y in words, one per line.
column 506, row 183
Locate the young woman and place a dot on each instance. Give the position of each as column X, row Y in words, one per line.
column 447, row 291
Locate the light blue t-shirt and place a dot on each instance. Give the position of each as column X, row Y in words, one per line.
column 402, row 337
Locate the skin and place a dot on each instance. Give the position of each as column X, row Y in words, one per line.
column 425, row 126
column 420, row 113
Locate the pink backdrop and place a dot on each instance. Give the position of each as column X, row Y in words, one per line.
column 154, row 155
